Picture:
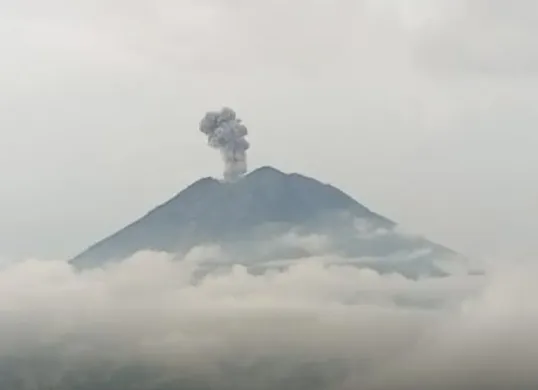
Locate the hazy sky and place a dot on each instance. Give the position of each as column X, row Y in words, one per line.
column 420, row 109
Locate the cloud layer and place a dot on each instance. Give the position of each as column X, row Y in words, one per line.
column 150, row 323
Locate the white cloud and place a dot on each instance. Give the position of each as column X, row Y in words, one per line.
column 361, row 326
column 488, row 38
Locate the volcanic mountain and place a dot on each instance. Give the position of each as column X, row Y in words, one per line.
column 270, row 218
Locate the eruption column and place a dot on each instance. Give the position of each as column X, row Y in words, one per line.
column 226, row 133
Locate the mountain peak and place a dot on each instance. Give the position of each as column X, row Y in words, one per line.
column 266, row 170
column 264, row 203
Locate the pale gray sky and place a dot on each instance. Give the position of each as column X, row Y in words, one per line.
column 420, row 109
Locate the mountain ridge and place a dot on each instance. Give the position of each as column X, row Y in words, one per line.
column 260, row 206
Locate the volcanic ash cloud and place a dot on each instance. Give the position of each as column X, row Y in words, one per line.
column 226, row 133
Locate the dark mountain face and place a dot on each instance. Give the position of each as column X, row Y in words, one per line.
column 244, row 216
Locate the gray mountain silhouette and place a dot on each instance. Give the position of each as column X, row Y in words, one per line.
column 245, row 217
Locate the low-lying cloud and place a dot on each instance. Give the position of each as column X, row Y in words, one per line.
column 151, row 323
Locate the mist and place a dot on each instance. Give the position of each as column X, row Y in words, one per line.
column 151, row 323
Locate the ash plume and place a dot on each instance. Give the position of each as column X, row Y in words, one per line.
column 226, row 133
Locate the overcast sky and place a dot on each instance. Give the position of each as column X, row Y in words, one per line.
column 420, row 109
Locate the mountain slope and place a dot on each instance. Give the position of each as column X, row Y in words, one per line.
column 246, row 215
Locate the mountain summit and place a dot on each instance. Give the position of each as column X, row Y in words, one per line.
column 246, row 215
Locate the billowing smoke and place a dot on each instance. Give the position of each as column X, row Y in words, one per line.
column 226, row 133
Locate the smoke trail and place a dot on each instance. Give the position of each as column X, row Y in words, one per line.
column 226, row 133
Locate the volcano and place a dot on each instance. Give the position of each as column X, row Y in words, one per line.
column 270, row 217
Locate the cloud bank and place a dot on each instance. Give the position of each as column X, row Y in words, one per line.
column 150, row 323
